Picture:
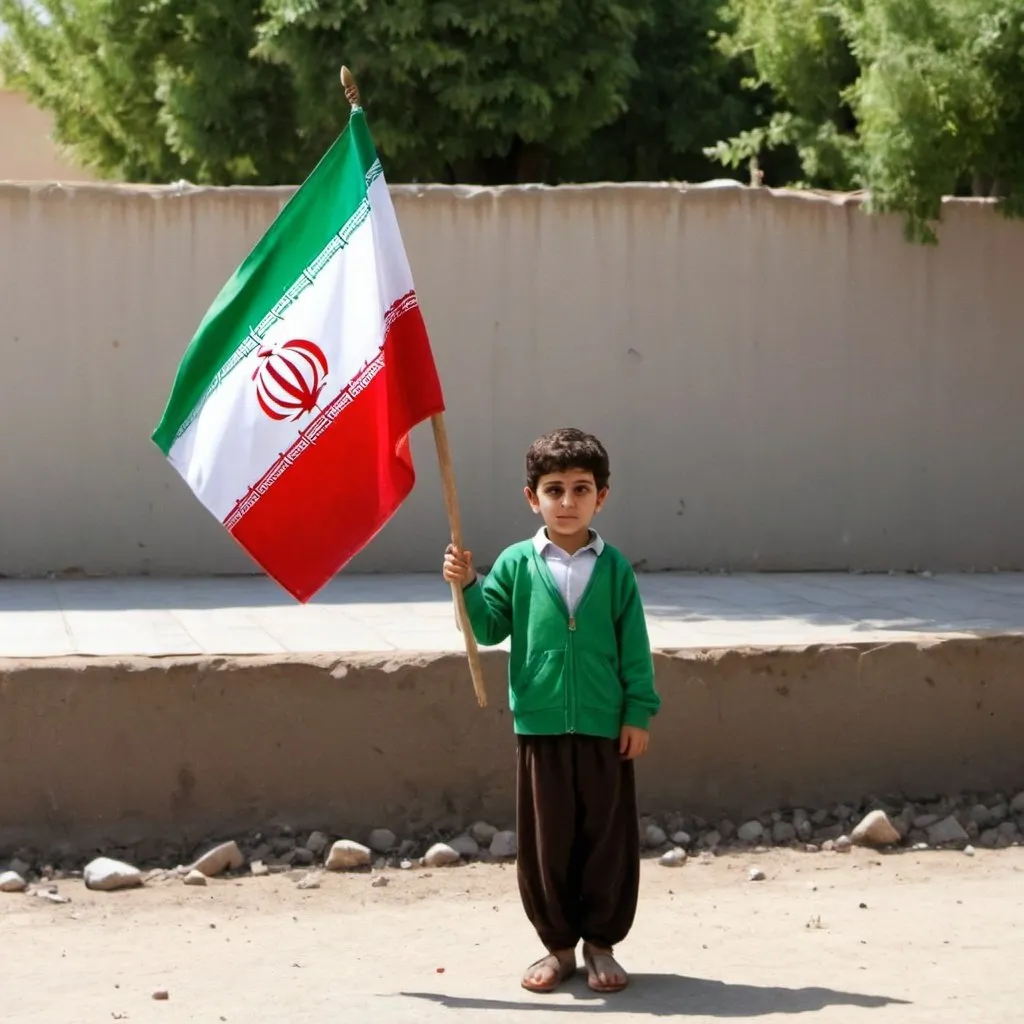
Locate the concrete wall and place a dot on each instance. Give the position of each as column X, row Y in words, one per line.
column 783, row 382
column 98, row 749
column 28, row 152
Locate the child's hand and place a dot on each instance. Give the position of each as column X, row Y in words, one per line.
column 633, row 742
column 458, row 566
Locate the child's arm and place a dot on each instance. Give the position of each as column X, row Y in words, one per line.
column 489, row 604
column 636, row 664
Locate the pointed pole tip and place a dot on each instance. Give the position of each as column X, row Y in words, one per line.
column 348, row 83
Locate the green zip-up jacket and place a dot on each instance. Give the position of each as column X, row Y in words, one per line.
column 590, row 673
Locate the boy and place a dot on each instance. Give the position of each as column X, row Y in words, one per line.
column 581, row 690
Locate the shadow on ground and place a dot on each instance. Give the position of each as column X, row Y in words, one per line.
column 672, row 995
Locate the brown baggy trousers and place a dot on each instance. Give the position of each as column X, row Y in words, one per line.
column 578, row 839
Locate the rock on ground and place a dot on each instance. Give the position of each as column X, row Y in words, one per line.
column 654, row 836
column 225, row 857
column 105, row 875
column 989, row 838
column 682, row 839
column 712, row 839
column 981, row 816
column 783, row 832
column 317, row 843
column 751, row 832
column 195, row 877
column 483, row 833
column 382, row 839
column 756, row 875
column 948, row 830
column 259, row 869
column 20, row 866
column 465, row 846
column 504, row 844
column 310, row 881
column 347, row 855
column 50, row 897
column 875, row 830
column 673, row 859
column 440, row 855
column 11, row 881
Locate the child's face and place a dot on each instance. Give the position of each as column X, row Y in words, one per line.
column 567, row 502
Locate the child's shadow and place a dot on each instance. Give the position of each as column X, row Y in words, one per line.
column 672, row 995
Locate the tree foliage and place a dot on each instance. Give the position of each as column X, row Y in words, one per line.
column 688, row 94
column 154, row 91
column 910, row 100
column 458, row 89
column 239, row 91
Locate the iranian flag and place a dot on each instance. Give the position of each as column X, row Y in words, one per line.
column 290, row 413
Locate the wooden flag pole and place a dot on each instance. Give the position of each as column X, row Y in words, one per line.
column 451, row 503
column 451, row 496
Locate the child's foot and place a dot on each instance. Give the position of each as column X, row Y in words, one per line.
column 603, row 972
column 550, row 971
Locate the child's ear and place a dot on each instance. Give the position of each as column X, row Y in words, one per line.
column 532, row 499
column 601, row 496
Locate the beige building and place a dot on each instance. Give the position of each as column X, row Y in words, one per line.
column 28, row 151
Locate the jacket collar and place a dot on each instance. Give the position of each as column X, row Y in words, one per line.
column 541, row 542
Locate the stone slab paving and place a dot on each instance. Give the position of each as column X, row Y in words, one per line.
column 251, row 615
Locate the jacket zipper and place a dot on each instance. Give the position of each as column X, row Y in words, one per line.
column 570, row 678
column 570, row 661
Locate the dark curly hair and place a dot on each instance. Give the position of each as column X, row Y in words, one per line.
column 565, row 449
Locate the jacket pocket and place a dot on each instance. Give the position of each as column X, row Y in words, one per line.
column 598, row 683
column 540, row 684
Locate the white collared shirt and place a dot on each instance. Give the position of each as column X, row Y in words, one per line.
column 571, row 572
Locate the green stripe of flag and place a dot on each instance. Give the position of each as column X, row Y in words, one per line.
column 318, row 212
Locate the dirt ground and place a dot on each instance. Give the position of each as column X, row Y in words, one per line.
column 916, row 937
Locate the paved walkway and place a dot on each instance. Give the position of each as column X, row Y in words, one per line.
column 251, row 615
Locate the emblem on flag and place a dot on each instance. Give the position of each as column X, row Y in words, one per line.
column 289, row 379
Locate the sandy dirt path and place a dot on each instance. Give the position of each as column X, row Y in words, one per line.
column 836, row 939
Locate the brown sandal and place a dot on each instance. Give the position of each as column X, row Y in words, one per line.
column 563, row 970
column 598, row 963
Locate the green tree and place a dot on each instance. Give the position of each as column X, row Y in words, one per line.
column 909, row 100
column 459, row 90
column 155, row 91
column 239, row 91
column 687, row 95
column 235, row 91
